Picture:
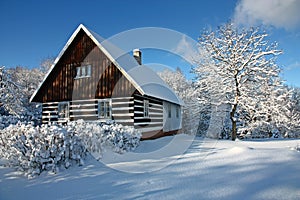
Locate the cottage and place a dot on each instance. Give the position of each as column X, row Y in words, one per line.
column 92, row 79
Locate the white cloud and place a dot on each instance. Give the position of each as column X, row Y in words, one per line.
column 187, row 48
column 277, row 13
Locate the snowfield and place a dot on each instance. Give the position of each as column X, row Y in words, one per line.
column 208, row 169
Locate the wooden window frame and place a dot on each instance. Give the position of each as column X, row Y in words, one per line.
column 107, row 109
column 59, row 109
column 87, row 69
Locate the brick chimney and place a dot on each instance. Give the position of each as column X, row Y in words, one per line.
column 137, row 54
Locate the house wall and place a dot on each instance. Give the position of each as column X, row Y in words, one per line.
column 172, row 121
column 50, row 112
column 125, row 110
column 153, row 123
column 122, row 110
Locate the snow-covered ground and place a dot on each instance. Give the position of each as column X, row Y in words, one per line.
column 208, row 169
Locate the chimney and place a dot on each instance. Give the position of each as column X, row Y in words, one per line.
column 137, row 54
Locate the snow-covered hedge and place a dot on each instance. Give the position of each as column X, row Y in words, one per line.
column 6, row 120
column 34, row 149
column 106, row 135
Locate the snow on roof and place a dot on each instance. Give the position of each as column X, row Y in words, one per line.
column 145, row 80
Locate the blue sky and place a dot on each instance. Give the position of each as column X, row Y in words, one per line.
column 34, row 30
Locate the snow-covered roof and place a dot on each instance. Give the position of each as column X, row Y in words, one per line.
column 145, row 80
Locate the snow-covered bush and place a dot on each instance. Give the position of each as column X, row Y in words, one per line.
column 34, row 149
column 6, row 120
column 91, row 135
column 121, row 138
column 97, row 136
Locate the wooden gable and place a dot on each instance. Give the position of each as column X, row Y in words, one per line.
column 105, row 79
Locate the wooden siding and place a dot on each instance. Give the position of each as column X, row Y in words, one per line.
column 155, row 120
column 122, row 110
column 106, row 79
column 125, row 110
column 84, row 109
column 50, row 112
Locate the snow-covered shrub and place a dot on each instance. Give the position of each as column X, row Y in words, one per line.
column 121, row 138
column 35, row 149
column 6, row 120
column 91, row 135
column 292, row 134
column 97, row 136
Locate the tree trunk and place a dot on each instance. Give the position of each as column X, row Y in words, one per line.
column 234, row 107
column 233, row 121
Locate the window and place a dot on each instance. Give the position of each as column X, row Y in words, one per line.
column 63, row 110
column 104, row 109
column 177, row 111
column 169, row 110
column 83, row 71
column 146, row 108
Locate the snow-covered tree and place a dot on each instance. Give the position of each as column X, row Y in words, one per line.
column 269, row 113
column 296, row 99
column 17, row 86
column 235, row 65
column 185, row 90
column 26, row 78
column 10, row 94
column 46, row 64
column 292, row 126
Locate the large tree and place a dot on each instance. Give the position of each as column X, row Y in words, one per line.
column 235, row 67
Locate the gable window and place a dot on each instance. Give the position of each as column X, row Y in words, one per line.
column 146, row 108
column 104, row 109
column 83, row 71
column 169, row 111
column 63, row 110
